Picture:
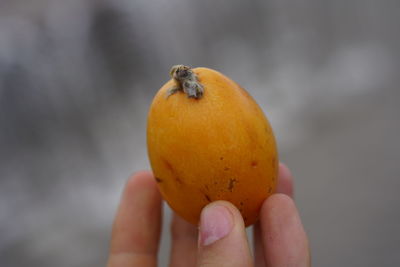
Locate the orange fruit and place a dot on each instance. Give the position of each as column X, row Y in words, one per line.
column 208, row 140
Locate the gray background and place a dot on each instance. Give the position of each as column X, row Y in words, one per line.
column 77, row 77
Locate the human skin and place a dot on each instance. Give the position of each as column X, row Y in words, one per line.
column 220, row 240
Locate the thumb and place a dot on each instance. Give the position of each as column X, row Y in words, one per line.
column 222, row 237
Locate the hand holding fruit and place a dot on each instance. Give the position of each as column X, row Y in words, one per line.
column 215, row 162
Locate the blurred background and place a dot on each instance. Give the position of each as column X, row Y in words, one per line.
column 77, row 78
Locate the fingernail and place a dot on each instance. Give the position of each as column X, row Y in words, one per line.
column 215, row 223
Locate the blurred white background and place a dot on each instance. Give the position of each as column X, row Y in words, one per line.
column 77, row 78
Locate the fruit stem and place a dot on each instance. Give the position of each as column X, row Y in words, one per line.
column 186, row 81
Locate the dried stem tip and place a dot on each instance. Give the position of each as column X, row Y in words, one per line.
column 186, row 81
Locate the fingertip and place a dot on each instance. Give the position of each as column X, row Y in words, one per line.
column 216, row 222
column 222, row 237
column 284, row 170
column 285, row 181
column 285, row 241
column 234, row 212
column 277, row 203
column 218, row 219
column 140, row 179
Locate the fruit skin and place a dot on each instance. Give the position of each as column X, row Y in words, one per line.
column 217, row 147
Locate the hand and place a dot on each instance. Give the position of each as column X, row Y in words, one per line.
column 279, row 237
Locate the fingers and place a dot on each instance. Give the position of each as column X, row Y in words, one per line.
column 184, row 243
column 222, row 237
column 285, row 186
column 136, row 228
column 284, row 239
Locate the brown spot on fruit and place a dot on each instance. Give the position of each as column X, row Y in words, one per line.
column 168, row 165
column 226, row 169
column 178, row 180
column 273, row 161
column 254, row 164
column 207, row 197
column 245, row 93
column 158, row 180
column 231, row 185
